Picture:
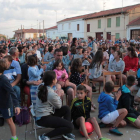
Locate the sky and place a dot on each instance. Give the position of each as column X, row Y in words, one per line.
column 14, row 13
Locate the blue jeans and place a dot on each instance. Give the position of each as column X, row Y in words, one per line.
column 17, row 90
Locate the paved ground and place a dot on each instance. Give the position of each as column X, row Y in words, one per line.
column 27, row 133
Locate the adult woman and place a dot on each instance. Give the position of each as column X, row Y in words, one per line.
column 25, row 79
column 45, row 50
column 117, row 64
column 131, row 60
column 74, row 42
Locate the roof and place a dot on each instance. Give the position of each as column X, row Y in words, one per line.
column 54, row 27
column 102, row 13
column 29, row 31
column 112, row 11
column 134, row 22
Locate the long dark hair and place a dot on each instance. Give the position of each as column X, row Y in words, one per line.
column 48, row 78
column 97, row 59
column 133, row 53
column 76, row 65
column 119, row 53
column 57, row 63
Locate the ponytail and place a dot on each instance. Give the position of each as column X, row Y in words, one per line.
column 43, row 93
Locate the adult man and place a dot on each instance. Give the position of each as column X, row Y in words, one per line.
column 15, row 54
column 49, row 55
column 58, row 54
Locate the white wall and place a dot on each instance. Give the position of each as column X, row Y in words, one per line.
column 72, row 29
column 31, row 35
column 129, row 28
column 52, row 33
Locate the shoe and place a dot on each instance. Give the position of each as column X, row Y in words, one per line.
column 104, row 139
column 93, row 89
column 68, row 136
column 102, row 125
column 43, row 137
column 14, row 139
column 115, row 131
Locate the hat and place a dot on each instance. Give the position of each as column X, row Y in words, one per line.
column 79, row 47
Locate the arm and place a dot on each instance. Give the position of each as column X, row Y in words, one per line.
column 56, row 101
column 66, row 74
column 35, row 73
column 17, row 80
column 123, row 66
column 58, row 77
column 135, row 67
column 109, row 67
column 112, row 104
column 79, row 79
column 7, row 86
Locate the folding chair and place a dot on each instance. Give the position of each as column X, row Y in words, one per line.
column 35, row 126
column 116, row 87
column 133, row 73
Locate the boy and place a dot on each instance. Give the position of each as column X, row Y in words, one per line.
column 113, row 49
column 127, row 100
column 11, row 74
column 108, row 112
column 80, row 111
column 7, row 99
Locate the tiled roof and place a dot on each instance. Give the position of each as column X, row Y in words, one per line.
column 54, row 27
column 134, row 22
column 29, row 31
column 102, row 13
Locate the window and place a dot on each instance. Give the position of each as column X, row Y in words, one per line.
column 117, row 21
column 109, row 22
column 77, row 27
column 69, row 25
column 99, row 23
column 88, row 27
column 117, row 35
column 62, row 26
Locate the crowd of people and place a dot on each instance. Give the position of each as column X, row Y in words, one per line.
column 45, row 70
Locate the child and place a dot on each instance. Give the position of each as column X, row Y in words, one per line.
column 34, row 75
column 77, row 77
column 50, row 112
column 80, row 111
column 108, row 112
column 8, row 99
column 62, row 75
column 11, row 74
column 127, row 101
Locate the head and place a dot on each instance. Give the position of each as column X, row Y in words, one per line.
column 113, row 49
column 6, row 49
column 34, row 47
column 49, row 79
column 51, row 49
column 14, row 52
column 58, row 54
column 8, row 59
column 109, row 87
column 90, row 39
column 28, row 53
column 137, row 49
column 97, row 59
column 2, row 53
column 81, row 92
column 79, row 49
column 117, row 54
column 65, row 51
column 24, row 49
column 58, row 65
column 130, row 81
column 76, row 65
column 20, row 49
column 131, row 52
column 84, row 52
column 3, row 65
column 32, row 60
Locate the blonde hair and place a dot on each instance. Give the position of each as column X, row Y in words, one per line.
column 29, row 51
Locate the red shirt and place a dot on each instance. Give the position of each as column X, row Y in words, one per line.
column 130, row 63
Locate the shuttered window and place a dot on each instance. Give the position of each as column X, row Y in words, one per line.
column 77, row 27
column 99, row 23
column 117, row 21
column 88, row 27
column 117, row 35
column 109, row 22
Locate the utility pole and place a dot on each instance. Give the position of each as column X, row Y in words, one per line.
column 122, row 6
column 43, row 30
column 21, row 31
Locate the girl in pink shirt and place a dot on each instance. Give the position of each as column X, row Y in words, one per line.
column 62, row 75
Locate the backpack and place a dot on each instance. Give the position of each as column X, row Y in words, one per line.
column 23, row 117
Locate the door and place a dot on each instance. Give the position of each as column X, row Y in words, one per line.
column 109, row 35
column 69, row 36
column 99, row 35
column 135, row 33
column 35, row 35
